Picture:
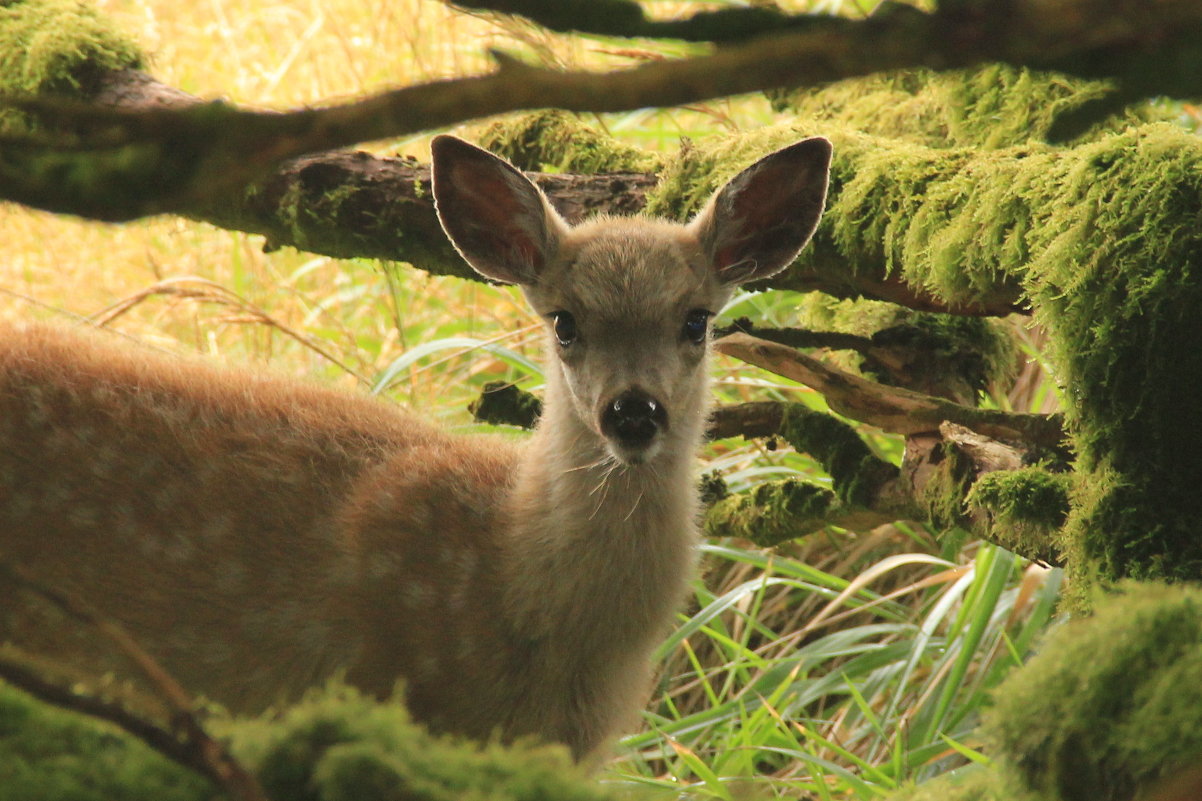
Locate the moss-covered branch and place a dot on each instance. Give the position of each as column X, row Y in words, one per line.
column 192, row 747
column 951, row 477
column 175, row 159
column 892, row 409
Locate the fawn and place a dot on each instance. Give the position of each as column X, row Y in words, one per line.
column 257, row 535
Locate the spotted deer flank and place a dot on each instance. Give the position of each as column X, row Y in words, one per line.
column 258, row 535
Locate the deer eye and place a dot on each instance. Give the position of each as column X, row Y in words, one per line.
column 696, row 325
column 564, row 325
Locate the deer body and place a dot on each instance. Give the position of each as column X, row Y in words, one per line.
column 257, row 535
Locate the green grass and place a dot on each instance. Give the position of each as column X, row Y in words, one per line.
column 883, row 684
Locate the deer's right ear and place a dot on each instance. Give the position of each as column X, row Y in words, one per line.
column 495, row 217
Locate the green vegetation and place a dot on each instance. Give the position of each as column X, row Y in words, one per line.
column 335, row 745
column 59, row 46
column 51, row 755
column 850, row 665
column 1109, row 707
column 556, row 141
column 56, row 47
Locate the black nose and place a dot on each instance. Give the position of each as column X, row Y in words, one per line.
column 633, row 418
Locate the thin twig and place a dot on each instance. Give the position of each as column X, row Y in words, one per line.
column 218, row 764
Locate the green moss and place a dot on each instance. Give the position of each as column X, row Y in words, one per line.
column 1104, row 238
column 1114, row 275
column 991, row 106
column 971, row 784
column 712, row 488
column 1111, row 705
column 1026, row 508
column 943, row 495
column 773, row 512
column 337, row 745
column 857, row 472
column 56, row 47
column 48, row 754
column 557, row 141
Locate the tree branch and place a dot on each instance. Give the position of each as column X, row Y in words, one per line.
column 357, row 205
column 626, row 18
column 201, row 750
column 892, row 409
column 127, row 164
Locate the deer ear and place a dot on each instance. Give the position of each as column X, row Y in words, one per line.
column 495, row 217
column 757, row 224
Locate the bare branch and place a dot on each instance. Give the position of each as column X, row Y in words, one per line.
column 67, row 695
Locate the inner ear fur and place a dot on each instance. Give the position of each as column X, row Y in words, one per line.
column 756, row 224
column 498, row 220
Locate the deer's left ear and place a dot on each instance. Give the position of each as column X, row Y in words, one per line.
column 759, row 221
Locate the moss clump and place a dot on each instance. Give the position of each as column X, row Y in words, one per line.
column 58, row 46
column 972, row 784
column 1115, row 280
column 773, row 512
column 943, row 495
column 1112, row 705
column 557, row 141
column 991, row 106
column 1026, row 508
column 712, row 488
column 857, row 472
column 49, row 754
column 337, row 745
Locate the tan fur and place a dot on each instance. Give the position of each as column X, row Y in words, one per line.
column 257, row 535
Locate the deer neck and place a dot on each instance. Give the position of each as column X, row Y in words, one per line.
column 593, row 544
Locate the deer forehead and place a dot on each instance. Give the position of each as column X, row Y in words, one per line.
column 629, row 269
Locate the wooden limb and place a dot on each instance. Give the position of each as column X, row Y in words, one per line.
column 356, row 205
column 626, row 18
column 126, row 164
column 945, row 473
column 28, row 679
column 804, row 338
column 892, row 409
column 215, row 761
